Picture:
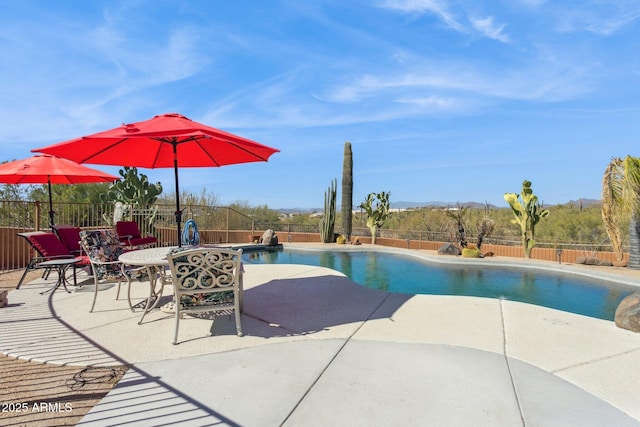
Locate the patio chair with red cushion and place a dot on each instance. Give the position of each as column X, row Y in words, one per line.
column 70, row 237
column 48, row 248
column 129, row 234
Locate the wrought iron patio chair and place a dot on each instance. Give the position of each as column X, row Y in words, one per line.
column 48, row 247
column 206, row 280
column 103, row 249
column 129, row 234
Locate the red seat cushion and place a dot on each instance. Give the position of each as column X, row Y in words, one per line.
column 70, row 237
column 84, row 261
column 129, row 233
column 143, row 241
column 48, row 245
column 127, row 228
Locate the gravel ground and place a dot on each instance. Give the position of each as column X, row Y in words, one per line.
column 42, row 394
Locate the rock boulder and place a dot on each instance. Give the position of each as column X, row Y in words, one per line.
column 269, row 238
column 587, row 260
column 628, row 313
column 449, row 249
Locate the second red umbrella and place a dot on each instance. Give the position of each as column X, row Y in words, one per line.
column 47, row 169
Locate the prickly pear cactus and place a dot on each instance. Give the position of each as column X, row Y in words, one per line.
column 376, row 207
column 527, row 214
column 134, row 190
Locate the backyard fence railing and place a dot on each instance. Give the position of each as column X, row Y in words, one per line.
column 224, row 224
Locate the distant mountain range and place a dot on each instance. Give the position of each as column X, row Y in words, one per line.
column 478, row 205
column 413, row 205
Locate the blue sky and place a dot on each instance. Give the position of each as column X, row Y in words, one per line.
column 449, row 101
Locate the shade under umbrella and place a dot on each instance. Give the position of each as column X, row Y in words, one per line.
column 167, row 140
column 48, row 169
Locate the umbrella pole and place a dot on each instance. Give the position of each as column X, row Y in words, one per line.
column 51, row 212
column 178, row 211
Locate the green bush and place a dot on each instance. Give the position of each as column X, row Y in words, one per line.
column 471, row 252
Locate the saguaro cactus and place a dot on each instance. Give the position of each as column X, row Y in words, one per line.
column 328, row 221
column 527, row 215
column 347, row 191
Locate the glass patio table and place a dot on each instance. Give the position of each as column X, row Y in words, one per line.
column 155, row 262
column 61, row 266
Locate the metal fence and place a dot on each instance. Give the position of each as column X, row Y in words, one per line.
column 437, row 236
column 216, row 224
column 35, row 215
column 223, row 224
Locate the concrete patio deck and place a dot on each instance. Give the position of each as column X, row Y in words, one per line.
column 321, row 350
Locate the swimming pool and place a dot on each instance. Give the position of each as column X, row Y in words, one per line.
column 411, row 275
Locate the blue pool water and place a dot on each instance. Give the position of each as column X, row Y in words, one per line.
column 397, row 273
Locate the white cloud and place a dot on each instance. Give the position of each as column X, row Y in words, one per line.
column 81, row 76
column 421, row 6
column 612, row 24
column 533, row 3
column 489, row 29
column 539, row 79
column 601, row 18
column 456, row 21
column 422, row 89
column 435, row 7
column 434, row 102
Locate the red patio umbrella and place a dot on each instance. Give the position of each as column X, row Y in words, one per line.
column 47, row 169
column 167, row 140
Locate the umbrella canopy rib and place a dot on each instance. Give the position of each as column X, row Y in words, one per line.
column 89, row 159
column 158, row 153
column 247, row 151
column 208, row 154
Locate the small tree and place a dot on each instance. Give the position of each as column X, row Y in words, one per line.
column 376, row 207
column 15, row 191
column 621, row 199
column 20, row 215
column 527, row 215
column 456, row 227
column 484, row 226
